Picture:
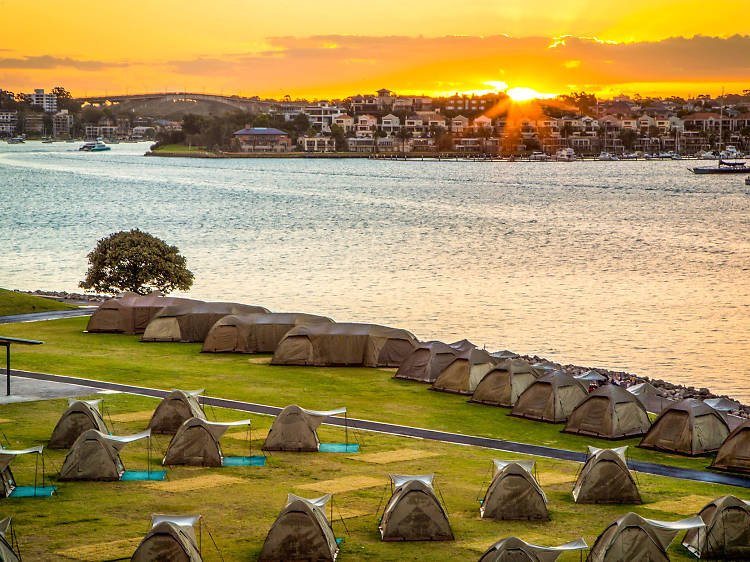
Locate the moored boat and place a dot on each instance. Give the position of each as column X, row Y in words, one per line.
column 722, row 168
column 606, row 156
column 94, row 146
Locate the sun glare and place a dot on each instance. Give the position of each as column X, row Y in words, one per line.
column 527, row 94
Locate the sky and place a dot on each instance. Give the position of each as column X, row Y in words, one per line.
column 337, row 48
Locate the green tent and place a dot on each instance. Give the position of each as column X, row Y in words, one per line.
column 414, row 513
column 726, row 535
column 170, row 539
column 80, row 416
column 514, row 493
column 513, row 549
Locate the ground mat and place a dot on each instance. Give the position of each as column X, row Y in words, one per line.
column 339, row 448
column 32, row 492
column 244, row 461
column 133, row 475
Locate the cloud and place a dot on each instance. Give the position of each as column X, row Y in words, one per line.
column 48, row 62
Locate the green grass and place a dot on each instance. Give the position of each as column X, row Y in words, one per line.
column 239, row 516
column 13, row 302
column 181, row 148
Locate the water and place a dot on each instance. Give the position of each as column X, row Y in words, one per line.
column 639, row 266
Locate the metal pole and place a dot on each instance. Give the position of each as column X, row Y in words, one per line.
column 7, row 369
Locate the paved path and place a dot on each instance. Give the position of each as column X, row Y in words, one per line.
column 407, row 431
column 50, row 315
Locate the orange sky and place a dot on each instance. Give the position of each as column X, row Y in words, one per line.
column 334, row 49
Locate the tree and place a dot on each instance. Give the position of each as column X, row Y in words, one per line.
column 192, row 124
column 403, row 135
column 339, row 137
column 135, row 261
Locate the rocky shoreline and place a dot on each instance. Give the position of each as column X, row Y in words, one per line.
column 665, row 389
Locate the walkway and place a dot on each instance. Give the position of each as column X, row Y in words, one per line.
column 407, row 431
column 50, row 315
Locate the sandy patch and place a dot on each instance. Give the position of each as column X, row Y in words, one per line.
column 392, row 370
column 132, row 416
column 5, row 420
column 346, row 513
column 553, row 478
column 242, row 436
column 260, row 360
column 345, row 484
column 111, row 550
column 397, row 455
column 192, row 484
column 688, row 505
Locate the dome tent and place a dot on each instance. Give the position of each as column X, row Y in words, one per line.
column 344, row 344
column 503, row 384
column 7, row 552
column 428, row 359
column 191, row 321
column 413, row 512
column 514, row 493
column 551, row 398
column 463, row 374
column 734, row 453
column 96, row 456
column 294, row 429
column 80, row 416
column 175, row 408
column 609, row 412
column 172, row 538
column 631, row 537
column 196, row 443
column 301, row 532
column 727, row 531
column 254, row 333
column 605, row 478
column 648, row 395
column 689, row 427
column 513, row 549
column 129, row 313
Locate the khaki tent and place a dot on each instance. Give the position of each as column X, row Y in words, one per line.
column 551, row 398
column 129, row 313
column 649, row 397
column 80, row 416
column 726, row 535
column 734, row 453
column 630, row 537
column 7, row 480
column 254, row 333
column 301, row 532
column 191, row 321
column 688, row 427
column 294, row 429
column 503, row 384
column 171, row 538
column 7, row 554
column 609, row 412
column 513, row 549
column 369, row 345
column 463, row 374
column 605, row 478
column 96, row 456
column 414, row 513
column 428, row 360
column 514, row 494
column 196, row 443
column 177, row 407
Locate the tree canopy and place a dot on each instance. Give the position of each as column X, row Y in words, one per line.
column 136, row 261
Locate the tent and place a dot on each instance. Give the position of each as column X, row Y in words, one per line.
column 609, row 412
column 80, row 416
column 503, row 384
column 428, row 360
column 513, row 549
column 321, row 345
column 649, row 397
column 8, row 486
column 551, row 398
column 414, row 513
column 688, row 427
column 172, row 538
column 631, row 537
column 514, row 493
column 294, row 429
column 727, row 531
column 301, row 532
column 254, row 333
column 174, row 409
column 605, row 478
column 7, row 553
column 129, row 313
column 734, row 453
column 463, row 374
column 196, row 443
column 96, row 456
column 190, row 321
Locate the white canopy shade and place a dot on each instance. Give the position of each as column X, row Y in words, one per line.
column 181, row 520
column 317, row 502
column 527, row 465
column 621, row 451
column 119, row 441
column 325, row 413
column 16, row 452
column 192, row 392
column 401, row 479
column 92, row 403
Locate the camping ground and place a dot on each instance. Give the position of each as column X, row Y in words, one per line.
column 239, row 504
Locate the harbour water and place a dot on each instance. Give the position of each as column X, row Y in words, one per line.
column 639, row 266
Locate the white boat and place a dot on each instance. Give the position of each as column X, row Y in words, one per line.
column 566, row 155
column 538, row 157
column 94, row 146
column 730, row 152
column 16, row 140
column 606, row 156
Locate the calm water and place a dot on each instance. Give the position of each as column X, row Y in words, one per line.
column 633, row 265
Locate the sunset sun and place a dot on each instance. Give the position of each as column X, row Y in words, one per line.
column 527, row 94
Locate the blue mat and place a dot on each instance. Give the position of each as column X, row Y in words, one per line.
column 339, row 541
column 133, row 475
column 339, row 448
column 31, row 492
column 244, row 461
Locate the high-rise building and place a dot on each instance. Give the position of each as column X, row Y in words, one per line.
column 46, row 101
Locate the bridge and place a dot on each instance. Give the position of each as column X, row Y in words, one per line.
column 237, row 102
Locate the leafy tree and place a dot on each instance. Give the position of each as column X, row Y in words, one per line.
column 61, row 93
column 91, row 114
column 339, row 137
column 135, row 261
column 403, row 135
column 192, row 124
column 261, row 120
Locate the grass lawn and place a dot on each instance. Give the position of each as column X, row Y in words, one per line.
column 13, row 302
column 240, row 513
column 181, row 148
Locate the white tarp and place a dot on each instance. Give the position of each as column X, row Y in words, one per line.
column 317, row 502
column 674, row 527
column 620, row 451
column 16, row 452
column 401, row 479
column 92, row 403
column 229, row 424
column 591, row 376
column 577, row 544
column 325, row 413
column 181, row 520
column 123, row 439
column 527, row 465
column 191, row 392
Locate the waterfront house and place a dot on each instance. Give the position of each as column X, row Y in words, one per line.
column 344, row 121
column 33, row 123
column 365, row 125
column 390, row 124
column 318, row 143
column 322, row 115
column 263, row 139
column 459, row 124
column 414, row 125
column 61, row 123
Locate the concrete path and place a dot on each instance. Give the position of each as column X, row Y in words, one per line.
column 24, row 389
column 407, row 431
column 50, row 315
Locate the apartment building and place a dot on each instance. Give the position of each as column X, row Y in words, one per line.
column 47, row 101
column 8, row 120
column 62, row 122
